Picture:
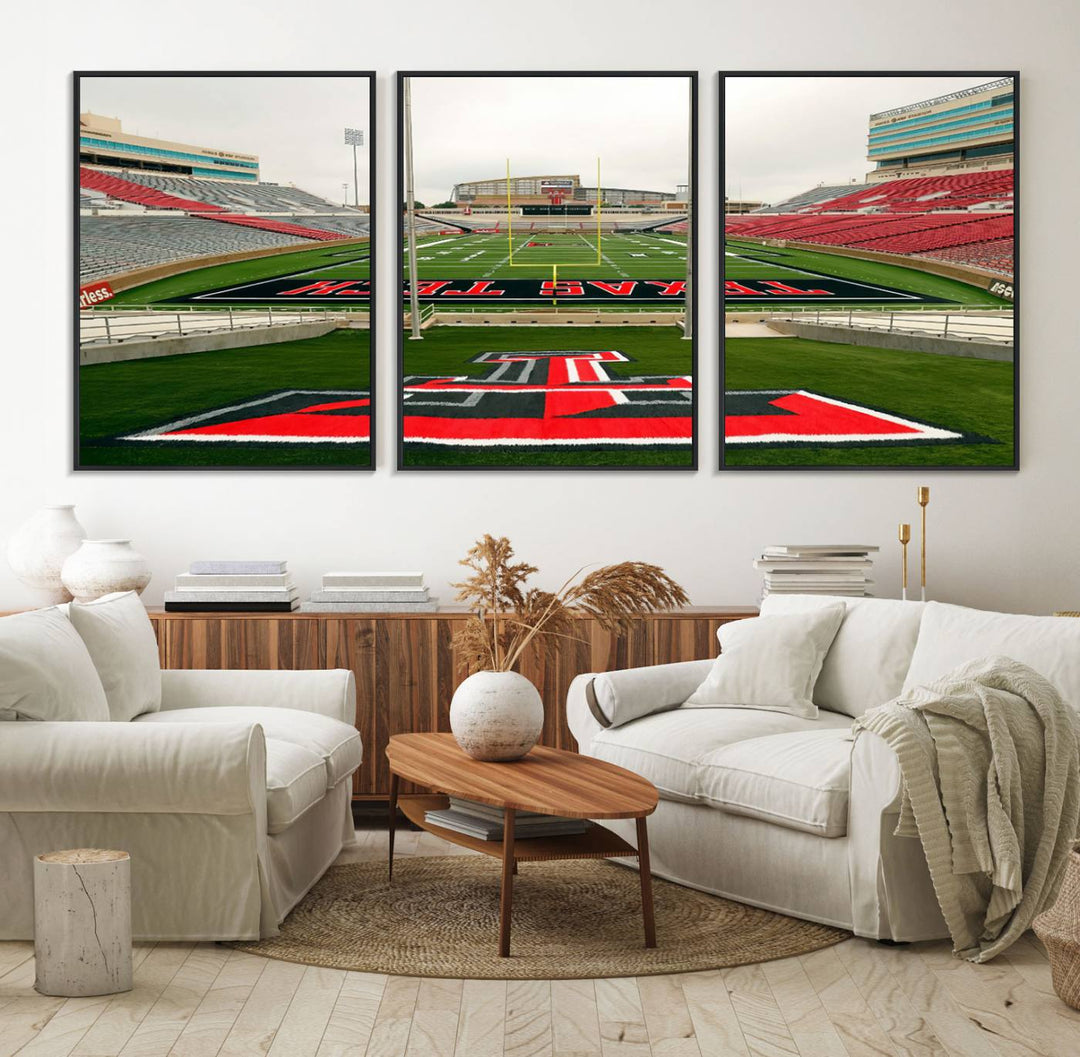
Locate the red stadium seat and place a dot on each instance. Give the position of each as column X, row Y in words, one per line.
column 906, row 228
column 127, row 191
column 280, row 226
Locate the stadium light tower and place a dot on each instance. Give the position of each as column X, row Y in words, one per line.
column 688, row 300
column 354, row 137
column 410, row 215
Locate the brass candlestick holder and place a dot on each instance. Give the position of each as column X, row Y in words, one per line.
column 923, row 496
column 904, row 535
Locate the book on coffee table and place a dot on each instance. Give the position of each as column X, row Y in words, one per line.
column 486, row 822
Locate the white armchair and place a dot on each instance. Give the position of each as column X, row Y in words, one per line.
column 232, row 799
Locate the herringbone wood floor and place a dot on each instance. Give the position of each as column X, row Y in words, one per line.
column 857, row 999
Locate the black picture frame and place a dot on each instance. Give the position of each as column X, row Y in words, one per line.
column 370, row 76
column 988, row 75
column 692, row 77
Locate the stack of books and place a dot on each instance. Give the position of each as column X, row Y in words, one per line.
column 371, row 593
column 486, row 822
column 234, row 587
column 817, row 569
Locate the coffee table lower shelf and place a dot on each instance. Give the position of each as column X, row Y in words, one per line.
column 596, row 842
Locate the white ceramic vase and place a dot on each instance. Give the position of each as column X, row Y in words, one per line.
column 496, row 715
column 100, row 567
column 37, row 551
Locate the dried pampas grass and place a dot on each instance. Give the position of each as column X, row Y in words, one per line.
column 508, row 615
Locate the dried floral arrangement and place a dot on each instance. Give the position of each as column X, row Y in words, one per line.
column 507, row 615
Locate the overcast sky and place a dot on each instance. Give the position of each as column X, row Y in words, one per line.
column 464, row 128
column 789, row 134
column 294, row 124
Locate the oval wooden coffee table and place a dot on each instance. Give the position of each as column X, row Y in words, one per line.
column 549, row 781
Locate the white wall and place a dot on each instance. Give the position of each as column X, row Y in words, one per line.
column 1002, row 540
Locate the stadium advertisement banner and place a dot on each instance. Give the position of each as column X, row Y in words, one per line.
column 615, row 390
column 880, row 268
column 197, row 347
column 94, row 293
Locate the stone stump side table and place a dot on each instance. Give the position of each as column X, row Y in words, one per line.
column 82, row 922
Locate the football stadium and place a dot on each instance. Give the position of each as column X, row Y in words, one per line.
column 871, row 323
column 545, row 308
column 224, row 316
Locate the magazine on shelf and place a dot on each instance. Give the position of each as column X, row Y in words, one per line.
column 223, row 567
column 489, row 829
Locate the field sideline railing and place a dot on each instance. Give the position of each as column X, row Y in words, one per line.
column 955, row 310
column 990, row 324
column 128, row 322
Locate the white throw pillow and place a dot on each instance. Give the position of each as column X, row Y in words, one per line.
column 953, row 635
column 120, row 638
column 45, row 670
column 770, row 662
column 871, row 654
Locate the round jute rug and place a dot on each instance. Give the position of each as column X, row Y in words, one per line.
column 575, row 918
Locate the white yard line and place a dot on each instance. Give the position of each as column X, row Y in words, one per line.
column 603, row 256
column 490, row 273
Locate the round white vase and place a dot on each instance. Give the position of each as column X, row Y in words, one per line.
column 496, row 715
column 100, row 567
column 37, row 551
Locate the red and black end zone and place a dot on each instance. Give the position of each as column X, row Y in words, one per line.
column 819, row 290
column 293, row 291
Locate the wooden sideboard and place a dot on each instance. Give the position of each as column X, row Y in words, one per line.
column 406, row 667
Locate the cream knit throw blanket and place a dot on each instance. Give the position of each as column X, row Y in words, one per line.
column 990, row 761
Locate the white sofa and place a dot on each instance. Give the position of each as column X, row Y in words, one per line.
column 232, row 795
column 793, row 814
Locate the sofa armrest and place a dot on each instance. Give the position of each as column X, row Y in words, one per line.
column 579, row 717
column 330, row 692
column 891, row 892
column 190, row 768
column 596, row 701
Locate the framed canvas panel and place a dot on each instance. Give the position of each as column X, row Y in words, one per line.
column 224, row 238
column 546, row 256
column 870, row 287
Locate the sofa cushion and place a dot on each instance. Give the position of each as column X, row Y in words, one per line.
column 953, row 635
column 121, row 642
column 45, row 670
column 770, row 662
column 295, row 780
column 668, row 748
column 799, row 780
column 870, row 656
column 336, row 743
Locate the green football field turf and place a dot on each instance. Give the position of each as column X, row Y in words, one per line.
column 957, row 393
column 750, row 260
column 450, row 350
column 122, row 398
column 330, row 260
column 626, row 255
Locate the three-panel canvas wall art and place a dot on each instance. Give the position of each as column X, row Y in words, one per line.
column 547, row 294
column 224, row 243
